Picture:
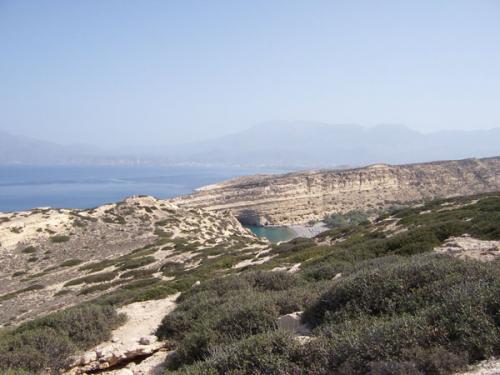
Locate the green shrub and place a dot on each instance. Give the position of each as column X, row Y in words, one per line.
column 395, row 287
column 96, row 278
column 29, row 250
column 20, row 291
column 343, row 220
column 247, row 319
column 272, row 280
column 48, row 341
column 71, row 263
column 267, row 353
column 59, row 239
column 135, row 263
column 140, row 273
column 35, row 350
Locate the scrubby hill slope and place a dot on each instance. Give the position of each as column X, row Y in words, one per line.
column 415, row 291
column 378, row 298
column 52, row 258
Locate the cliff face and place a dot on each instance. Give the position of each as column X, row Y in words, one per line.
column 304, row 196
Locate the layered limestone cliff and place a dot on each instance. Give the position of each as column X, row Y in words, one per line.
column 303, row 196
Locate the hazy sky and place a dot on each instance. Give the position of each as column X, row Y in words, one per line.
column 118, row 72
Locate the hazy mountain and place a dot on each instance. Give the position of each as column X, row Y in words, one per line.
column 24, row 150
column 308, row 144
column 282, row 144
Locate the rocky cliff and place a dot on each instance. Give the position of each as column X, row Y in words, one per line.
column 303, row 196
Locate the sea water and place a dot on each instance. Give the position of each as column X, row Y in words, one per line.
column 26, row 187
column 273, row 234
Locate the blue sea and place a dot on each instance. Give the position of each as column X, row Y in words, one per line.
column 26, row 187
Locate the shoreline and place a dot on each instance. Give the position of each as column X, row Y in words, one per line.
column 308, row 231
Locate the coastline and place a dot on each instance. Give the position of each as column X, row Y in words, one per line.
column 308, row 231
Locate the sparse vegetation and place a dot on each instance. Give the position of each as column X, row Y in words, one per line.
column 20, row 291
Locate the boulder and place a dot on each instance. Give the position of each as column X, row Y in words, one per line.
column 148, row 340
column 291, row 322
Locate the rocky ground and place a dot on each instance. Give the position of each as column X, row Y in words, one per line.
column 467, row 247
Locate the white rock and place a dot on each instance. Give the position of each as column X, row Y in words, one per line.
column 295, row 268
column 196, row 283
column 291, row 322
column 279, row 269
column 88, row 357
column 123, row 371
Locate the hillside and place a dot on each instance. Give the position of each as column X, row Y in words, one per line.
column 57, row 257
column 413, row 291
column 311, row 195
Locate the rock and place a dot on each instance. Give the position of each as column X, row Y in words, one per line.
column 291, row 322
column 88, row 357
column 295, row 268
column 123, row 371
column 148, row 340
column 303, row 339
column 196, row 284
column 74, row 360
column 337, row 276
column 465, row 246
column 279, row 269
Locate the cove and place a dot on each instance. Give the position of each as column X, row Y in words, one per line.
column 273, row 234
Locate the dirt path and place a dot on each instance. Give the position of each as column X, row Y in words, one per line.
column 134, row 339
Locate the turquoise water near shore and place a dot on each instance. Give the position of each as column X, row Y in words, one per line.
column 273, row 234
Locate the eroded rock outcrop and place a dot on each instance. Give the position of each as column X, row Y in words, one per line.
column 300, row 197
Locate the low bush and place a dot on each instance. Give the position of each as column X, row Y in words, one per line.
column 266, row 353
column 71, row 263
column 133, row 263
column 95, row 278
column 47, row 342
column 343, row 220
column 29, row 250
column 29, row 288
column 59, row 239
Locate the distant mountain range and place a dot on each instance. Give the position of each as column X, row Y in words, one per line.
column 277, row 144
column 24, row 150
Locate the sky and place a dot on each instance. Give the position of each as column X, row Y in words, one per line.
column 118, row 73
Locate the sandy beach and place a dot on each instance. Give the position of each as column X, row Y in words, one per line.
column 309, row 231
